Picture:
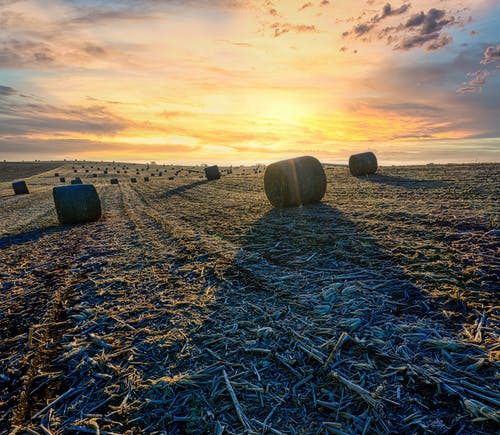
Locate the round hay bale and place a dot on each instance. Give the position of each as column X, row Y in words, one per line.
column 171, row 178
column 114, row 181
column 105, row 171
column 363, row 164
column 75, row 171
column 77, row 204
column 62, row 179
column 56, row 174
column 20, row 187
column 294, row 182
column 212, row 172
column 86, row 171
column 133, row 180
column 77, row 180
column 146, row 178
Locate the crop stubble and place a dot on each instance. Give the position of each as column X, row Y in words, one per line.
column 192, row 306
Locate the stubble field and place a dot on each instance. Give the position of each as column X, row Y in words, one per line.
column 194, row 307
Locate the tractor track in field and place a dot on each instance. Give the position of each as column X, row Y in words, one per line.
column 41, row 380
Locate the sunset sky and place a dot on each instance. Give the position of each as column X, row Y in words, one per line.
column 243, row 81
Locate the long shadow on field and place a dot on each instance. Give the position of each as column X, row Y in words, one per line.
column 319, row 238
column 305, row 252
column 407, row 183
column 29, row 236
column 181, row 189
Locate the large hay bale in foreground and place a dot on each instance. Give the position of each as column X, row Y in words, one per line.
column 363, row 164
column 20, row 187
column 77, row 180
column 212, row 172
column 77, row 204
column 114, row 181
column 294, row 182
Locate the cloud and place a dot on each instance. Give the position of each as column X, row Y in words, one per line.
column 305, row 6
column 67, row 147
column 491, row 55
column 7, row 91
column 26, row 116
column 423, row 29
column 436, row 42
column 429, row 23
column 282, row 28
column 389, row 11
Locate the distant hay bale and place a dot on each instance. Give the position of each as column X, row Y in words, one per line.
column 77, row 204
column 212, row 172
column 75, row 171
column 114, row 181
column 133, row 180
column 171, row 178
column 62, row 179
column 294, row 182
column 146, row 178
column 105, row 171
column 77, row 180
column 363, row 164
column 160, row 174
column 56, row 174
column 20, row 187
column 87, row 171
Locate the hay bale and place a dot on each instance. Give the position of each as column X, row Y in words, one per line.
column 171, row 178
column 94, row 175
column 290, row 183
column 77, row 204
column 105, row 171
column 75, row 171
column 363, row 164
column 56, row 174
column 86, row 171
column 62, row 179
column 146, row 178
column 77, row 180
column 212, row 172
column 20, row 187
column 114, row 181
column 133, row 180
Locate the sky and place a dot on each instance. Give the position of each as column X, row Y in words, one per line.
column 247, row 81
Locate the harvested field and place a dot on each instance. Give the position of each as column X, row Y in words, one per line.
column 192, row 306
column 14, row 171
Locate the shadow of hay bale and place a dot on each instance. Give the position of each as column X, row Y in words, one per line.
column 406, row 183
column 320, row 239
column 179, row 190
